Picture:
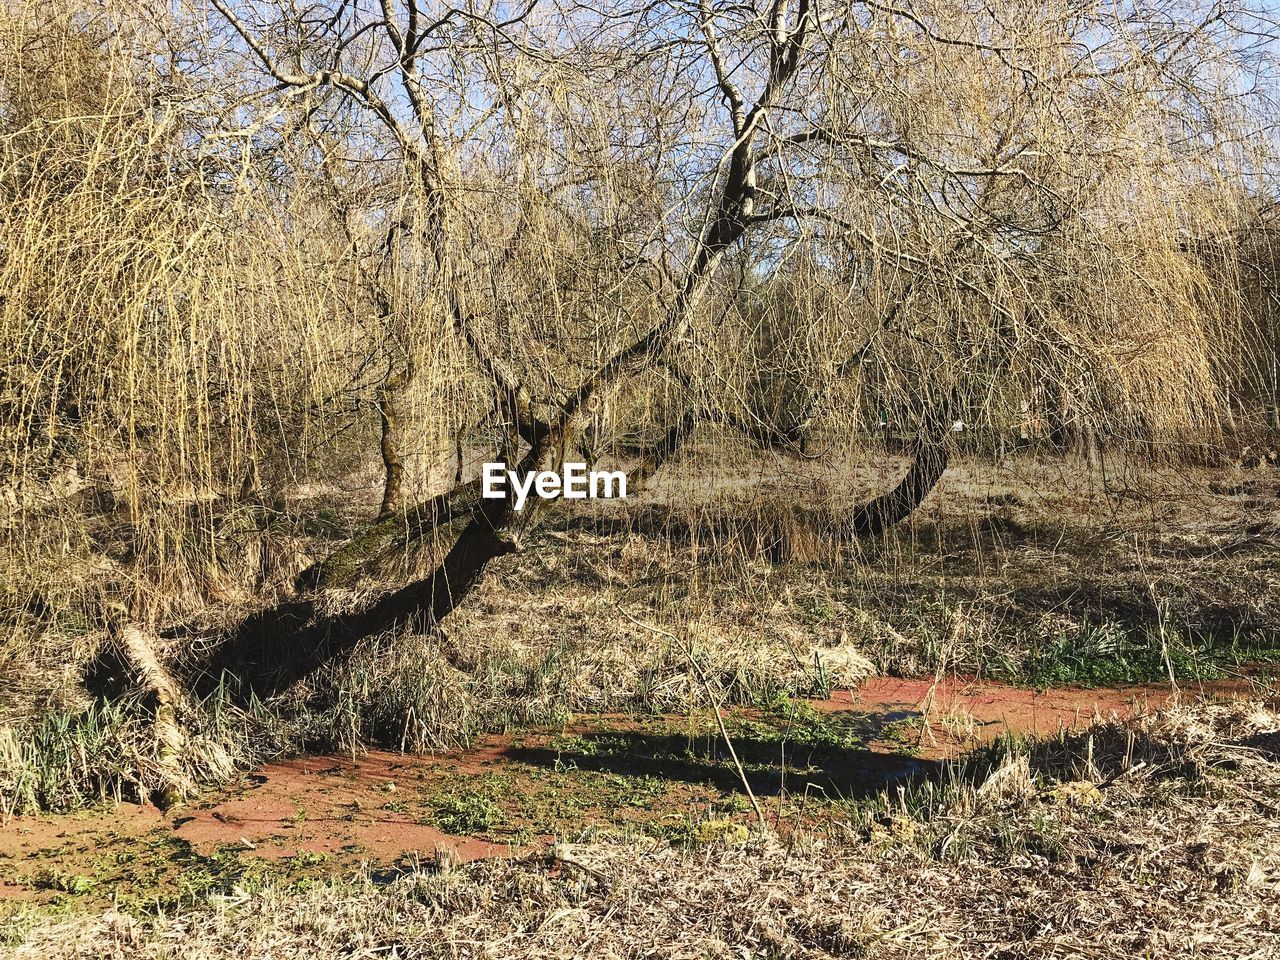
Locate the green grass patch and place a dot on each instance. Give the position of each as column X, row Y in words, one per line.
column 1108, row 656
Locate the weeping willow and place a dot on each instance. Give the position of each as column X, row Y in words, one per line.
column 254, row 254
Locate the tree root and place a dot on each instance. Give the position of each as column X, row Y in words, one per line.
column 135, row 648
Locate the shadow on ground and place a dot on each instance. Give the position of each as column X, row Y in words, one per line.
column 772, row 765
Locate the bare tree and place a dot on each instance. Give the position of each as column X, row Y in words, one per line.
column 990, row 196
column 773, row 224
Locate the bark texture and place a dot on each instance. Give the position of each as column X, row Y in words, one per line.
column 928, row 464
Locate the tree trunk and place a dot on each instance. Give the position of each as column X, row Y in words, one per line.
column 384, row 536
column 929, row 463
column 277, row 647
column 389, row 447
column 128, row 661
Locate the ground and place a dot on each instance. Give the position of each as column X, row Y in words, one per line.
column 1038, row 721
column 1158, row 835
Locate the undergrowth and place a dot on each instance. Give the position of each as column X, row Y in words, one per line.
column 1132, row 838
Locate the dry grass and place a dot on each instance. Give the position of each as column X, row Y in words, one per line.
column 1046, row 577
column 1157, row 837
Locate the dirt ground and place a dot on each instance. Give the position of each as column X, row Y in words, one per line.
column 1157, row 835
column 809, row 763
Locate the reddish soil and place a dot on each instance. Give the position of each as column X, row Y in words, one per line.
column 318, row 813
column 330, row 805
column 962, row 711
column 35, row 849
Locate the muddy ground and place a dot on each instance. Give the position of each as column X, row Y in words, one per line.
column 813, row 766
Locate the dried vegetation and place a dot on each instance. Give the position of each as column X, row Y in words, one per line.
column 1155, row 837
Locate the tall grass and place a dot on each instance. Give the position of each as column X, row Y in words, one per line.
column 71, row 757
